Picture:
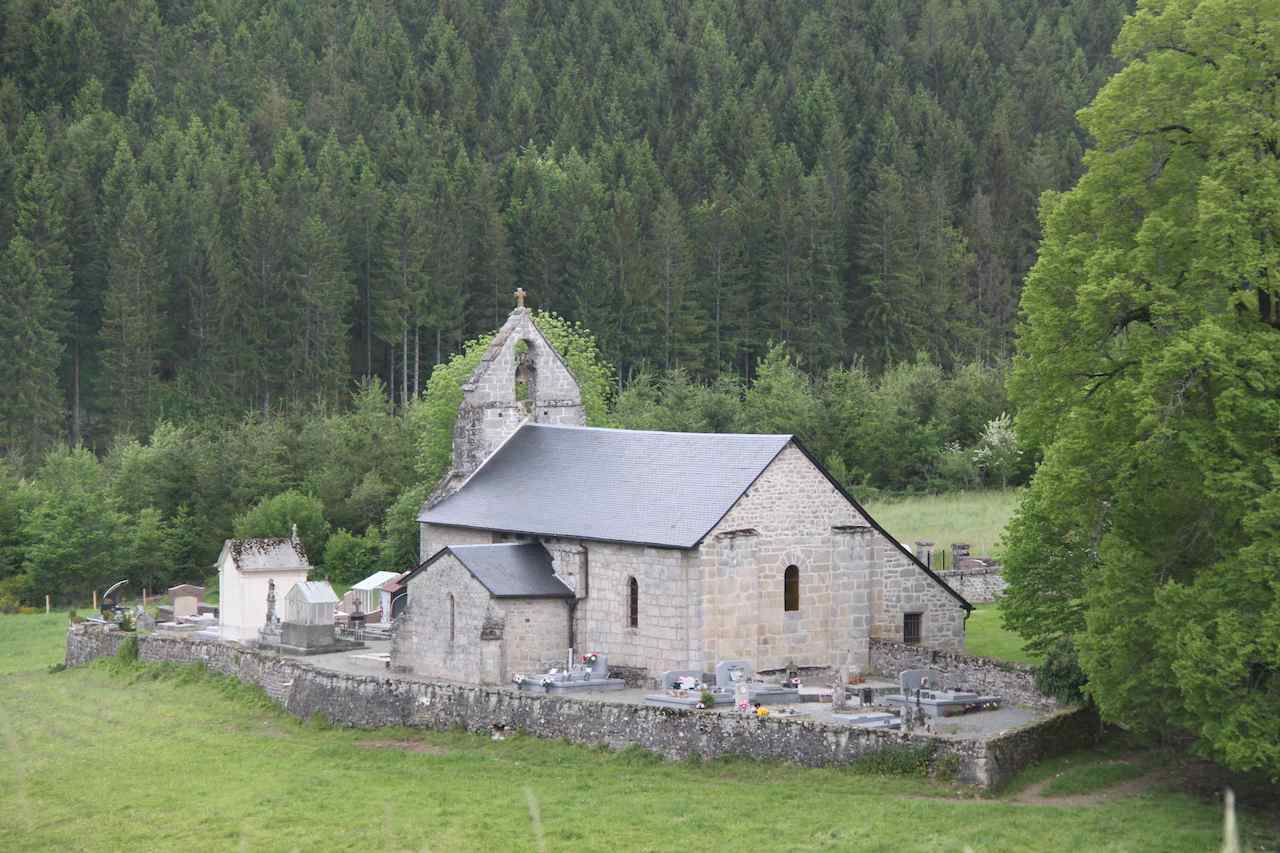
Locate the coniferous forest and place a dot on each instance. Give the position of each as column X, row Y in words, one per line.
column 240, row 237
column 223, row 206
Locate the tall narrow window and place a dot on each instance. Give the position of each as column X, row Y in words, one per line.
column 633, row 603
column 911, row 628
column 791, row 589
column 452, row 623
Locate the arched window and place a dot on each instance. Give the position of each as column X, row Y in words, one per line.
column 633, row 603
column 791, row 589
column 452, row 622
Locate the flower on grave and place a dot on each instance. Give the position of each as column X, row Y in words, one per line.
column 518, row 678
column 547, row 682
column 701, row 706
column 591, row 658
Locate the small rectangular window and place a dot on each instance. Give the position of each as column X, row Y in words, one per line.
column 911, row 628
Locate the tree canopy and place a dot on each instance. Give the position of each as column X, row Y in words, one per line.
column 212, row 208
column 1147, row 371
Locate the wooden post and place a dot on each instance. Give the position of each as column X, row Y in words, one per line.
column 144, row 596
column 46, row 605
column 95, row 599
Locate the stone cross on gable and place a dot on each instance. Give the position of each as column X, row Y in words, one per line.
column 520, row 295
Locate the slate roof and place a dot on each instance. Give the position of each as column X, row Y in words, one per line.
column 667, row 489
column 509, row 570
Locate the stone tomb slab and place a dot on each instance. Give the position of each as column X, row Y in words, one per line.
column 590, row 675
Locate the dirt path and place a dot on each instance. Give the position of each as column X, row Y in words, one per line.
column 1032, row 794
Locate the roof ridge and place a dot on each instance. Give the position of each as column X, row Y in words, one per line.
column 570, row 427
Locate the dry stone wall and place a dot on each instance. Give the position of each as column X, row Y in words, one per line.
column 1014, row 682
column 979, row 586
column 304, row 690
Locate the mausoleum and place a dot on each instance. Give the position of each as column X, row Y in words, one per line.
column 245, row 569
column 665, row 551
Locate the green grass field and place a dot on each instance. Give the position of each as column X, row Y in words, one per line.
column 114, row 757
column 984, row 635
column 976, row 518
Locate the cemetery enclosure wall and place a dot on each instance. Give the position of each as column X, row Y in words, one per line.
column 1013, row 682
column 305, row 690
column 979, row 586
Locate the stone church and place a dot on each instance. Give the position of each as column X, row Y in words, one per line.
column 665, row 551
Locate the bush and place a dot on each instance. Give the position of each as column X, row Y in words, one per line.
column 349, row 558
column 128, row 651
column 11, row 593
column 1060, row 676
column 956, row 469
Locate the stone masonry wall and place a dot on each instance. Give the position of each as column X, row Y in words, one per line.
column 365, row 701
column 433, row 537
column 536, row 633
column 903, row 588
column 660, row 641
column 977, row 585
column 1014, row 682
column 421, row 641
column 490, row 411
column 493, row 638
column 854, row 582
column 786, row 518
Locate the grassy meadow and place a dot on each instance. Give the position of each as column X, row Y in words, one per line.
column 976, row 518
column 984, row 635
column 127, row 756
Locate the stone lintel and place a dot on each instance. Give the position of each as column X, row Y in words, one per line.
column 733, row 534
column 851, row 528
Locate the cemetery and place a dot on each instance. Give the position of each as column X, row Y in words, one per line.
column 812, row 721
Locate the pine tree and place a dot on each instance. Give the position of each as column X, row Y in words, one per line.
column 323, row 294
column 41, row 224
column 30, row 352
column 132, row 322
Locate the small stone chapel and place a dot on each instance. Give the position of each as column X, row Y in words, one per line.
column 665, row 551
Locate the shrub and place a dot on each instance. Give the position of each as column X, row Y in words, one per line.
column 956, row 468
column 128, row 651
column 349, row 558
column 708, row 699
column 1060, row 676
column 11, row 593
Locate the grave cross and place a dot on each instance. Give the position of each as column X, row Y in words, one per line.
column 520, row 295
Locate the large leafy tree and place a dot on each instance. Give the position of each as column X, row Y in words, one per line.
column 1147, row 371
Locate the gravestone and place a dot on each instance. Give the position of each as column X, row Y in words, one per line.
column 912, row 680
column 730, row 672
column 185, row 599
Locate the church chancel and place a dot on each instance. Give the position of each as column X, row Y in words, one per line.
column 666, row 551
